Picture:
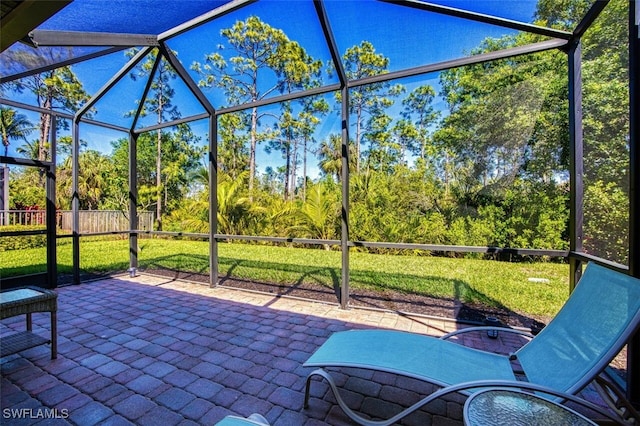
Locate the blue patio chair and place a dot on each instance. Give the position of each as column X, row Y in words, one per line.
column 253, row 420
column 597, row 320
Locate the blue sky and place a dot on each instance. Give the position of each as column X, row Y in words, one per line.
column 407, row 37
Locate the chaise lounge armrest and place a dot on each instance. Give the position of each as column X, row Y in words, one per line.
column 486, row 328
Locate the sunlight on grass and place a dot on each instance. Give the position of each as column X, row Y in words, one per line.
column 491, row 283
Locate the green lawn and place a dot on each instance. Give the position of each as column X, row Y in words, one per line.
column 469, row 280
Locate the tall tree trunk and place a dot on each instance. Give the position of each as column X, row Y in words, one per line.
column 447, row 166
column 358, row 130
column 45, row 130
column 304, row 170
column 294, row 168
column 252, row 152
column 287, row 171
column 159, row 164
column 159, row 180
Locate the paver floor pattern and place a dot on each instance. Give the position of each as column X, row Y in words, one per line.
column 152, row 351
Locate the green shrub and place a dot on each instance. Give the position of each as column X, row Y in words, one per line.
column 21, row 242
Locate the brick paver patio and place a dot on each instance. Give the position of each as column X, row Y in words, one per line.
column 152, row 351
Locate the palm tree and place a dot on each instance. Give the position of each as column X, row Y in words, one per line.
column 199, row 179
column 13, row 126
column 330, row 157
column 235, row 211
column 29, row 149
column 319, row 215
column 93, row 180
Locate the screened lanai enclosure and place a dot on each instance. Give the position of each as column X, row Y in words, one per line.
column 297, row 142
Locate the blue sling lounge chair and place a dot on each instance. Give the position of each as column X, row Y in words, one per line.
column 597, row 320
column 253, row 420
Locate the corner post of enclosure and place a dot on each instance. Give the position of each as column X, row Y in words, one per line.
column 344, row 174
column 212, row 162
column 576, row 168
column 344, row 238
column 75, row 200
column 52, row 263
column 633, row 348
column 213, row 200
column 133, row 202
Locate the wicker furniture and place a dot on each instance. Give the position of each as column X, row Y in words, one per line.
column 26, row 300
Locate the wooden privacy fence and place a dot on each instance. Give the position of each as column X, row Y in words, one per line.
column 90, row 220
column 104, row 221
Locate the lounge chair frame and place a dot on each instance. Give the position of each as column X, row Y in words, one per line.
column 595, row 323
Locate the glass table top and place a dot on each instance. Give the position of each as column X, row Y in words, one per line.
column 513, row 407
column 20, row 294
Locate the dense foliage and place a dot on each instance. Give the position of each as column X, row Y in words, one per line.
column 490, row 169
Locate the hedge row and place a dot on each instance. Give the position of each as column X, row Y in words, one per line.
column 21, row 242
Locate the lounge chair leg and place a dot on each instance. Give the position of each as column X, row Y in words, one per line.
column 350, row 413
column 306, row 392
column 319, row 372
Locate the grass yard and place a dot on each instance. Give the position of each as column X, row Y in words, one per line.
column 491, row 283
